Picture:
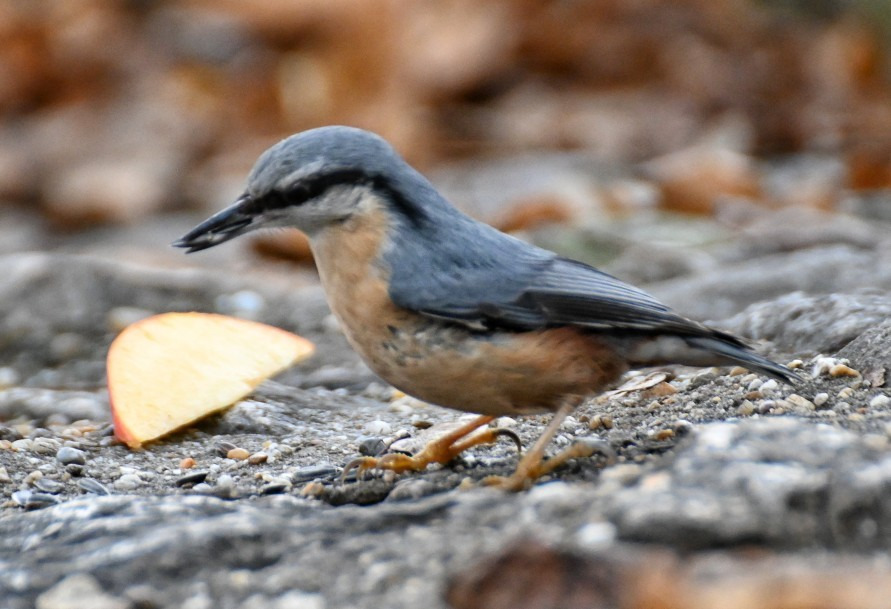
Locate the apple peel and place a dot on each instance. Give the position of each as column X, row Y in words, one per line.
column 170, row 370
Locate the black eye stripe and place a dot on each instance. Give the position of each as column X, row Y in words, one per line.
column 314, row 186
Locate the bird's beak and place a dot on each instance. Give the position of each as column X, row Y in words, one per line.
column 220, row 227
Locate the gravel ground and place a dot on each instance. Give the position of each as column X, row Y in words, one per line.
column 716, row 472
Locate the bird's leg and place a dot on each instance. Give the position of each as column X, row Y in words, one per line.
column 533, row 466
column 441, row 450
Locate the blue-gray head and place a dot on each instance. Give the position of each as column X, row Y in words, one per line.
column 315, row 179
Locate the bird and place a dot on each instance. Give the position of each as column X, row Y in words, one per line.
column 452, row 311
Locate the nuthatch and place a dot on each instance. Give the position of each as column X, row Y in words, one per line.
column 450, row 310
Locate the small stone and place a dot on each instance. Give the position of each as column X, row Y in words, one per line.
column 596, row 535
column 191, row 479
column 128, row 482
column 224, row 483
column 663, row 434
column 45, row 446
column 371, row 446
column 258, row 458
column 842, row 370
column 660, row 390
column 880, row 401
column 76, row 591
column 845, row 393
column 274, row 488
column 820, row 399
column 4, row 476
column 187, row 463
column 314, row 472
column 70, row 455
column 238, row 454
column 8, row 377
column 32, row 477
column 769, row 386
column 570, row 423
column 755, row 384
column 244, row 303
column 222, row 448
column 48, row 485
column 92, row 486
column 795, row 364
column 377, row 428
column 800, row 402
column 31, row 500
column 23, row 445
column 296, row 599
column 313, row 489
column 746, row 408
column 737, row 371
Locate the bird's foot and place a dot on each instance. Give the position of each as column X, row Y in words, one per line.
column 532, row 466
column 442, row 450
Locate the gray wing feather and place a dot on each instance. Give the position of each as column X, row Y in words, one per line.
column 499, row 281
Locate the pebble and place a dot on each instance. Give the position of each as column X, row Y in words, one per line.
column 79, row 590
column 128, row 482
column 8, row 377
column 842, row 370
column 45, row 446
column 68, row 455
column 845, row 393
column 275, row 488
column 598, row 421
column 23, row 445
column 879, row 401
column 755, row 384
column 92, row 486
column 48, row 485
column 746, row 408
column 800, row 402
column 4, row 475
column 244, row 303
column 238, row 454
column 820, row 399
column 377, row 428
column 570, row 423
column 258, row 458
column 191, row 479
column 222, row 448
column 768, row 386
column 371, row 446
column 664, row 434
column 187, row 463
column 314, row 472
column 34, row 501
column 32, row 477
column 224, row 483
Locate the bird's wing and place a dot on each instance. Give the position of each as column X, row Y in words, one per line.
column 533, row 289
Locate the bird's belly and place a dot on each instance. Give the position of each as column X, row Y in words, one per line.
column 498, row 373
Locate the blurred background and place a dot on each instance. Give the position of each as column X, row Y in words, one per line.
column 123, row 122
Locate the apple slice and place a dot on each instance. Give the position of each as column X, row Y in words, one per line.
column 170, row 370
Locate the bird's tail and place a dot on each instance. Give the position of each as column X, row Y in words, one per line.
column 713, row 349
column 735, row 351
